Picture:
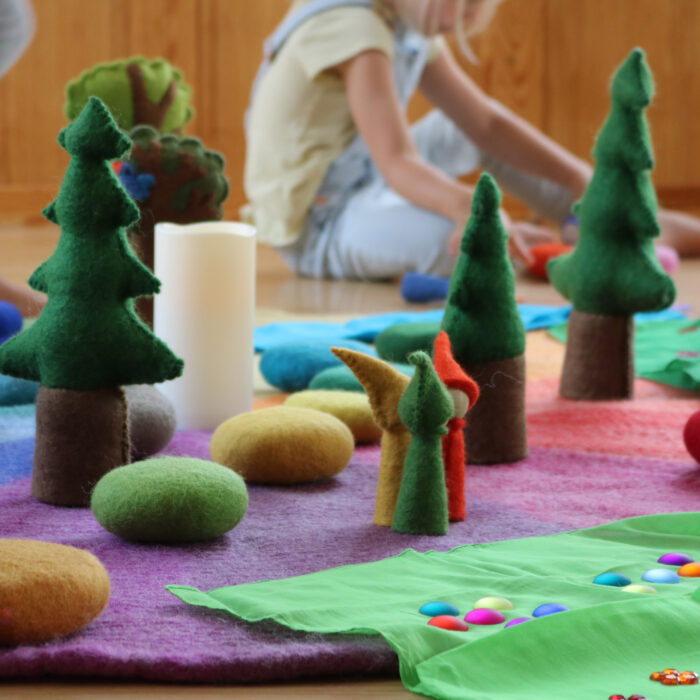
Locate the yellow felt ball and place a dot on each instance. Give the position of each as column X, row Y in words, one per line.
column 47, row 591
column 351, row 407
column 283, row 445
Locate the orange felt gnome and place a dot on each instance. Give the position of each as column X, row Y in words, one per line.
column 465, row 392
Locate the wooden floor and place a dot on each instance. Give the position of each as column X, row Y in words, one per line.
column 22, row 249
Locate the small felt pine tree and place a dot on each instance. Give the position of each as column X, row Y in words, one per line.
column 487, row 333
column 88, row 341
column 613, row 271
column 425, row 408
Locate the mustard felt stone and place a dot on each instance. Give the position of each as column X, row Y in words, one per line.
column 47, row 591
column 170, row 499
column 283, row 445
column 350, row 407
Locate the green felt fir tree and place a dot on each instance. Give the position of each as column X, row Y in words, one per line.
column 425, row 408
column 487, row 333
column 136, row 91
column 88, row 341
column 613, row 271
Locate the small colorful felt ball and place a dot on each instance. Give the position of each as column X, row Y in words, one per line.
column 438, row 607
column 675, row 559
column 661, row 576
column 612, row 579
column 688, row 678
column 617, row 697
column 636, row 697
column 485, row 616
column 656, row 676
column 494, row 602
column 517, row 621
column 449, row 622
column 548, row 609
column 691, row 436
column 690, row 570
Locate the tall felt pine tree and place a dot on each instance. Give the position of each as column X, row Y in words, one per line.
column 88, row 342
column 613, row 271
column 487, row 333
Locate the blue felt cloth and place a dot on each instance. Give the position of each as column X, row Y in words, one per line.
column 368, row 328
column 17, row 427
column 14, row 391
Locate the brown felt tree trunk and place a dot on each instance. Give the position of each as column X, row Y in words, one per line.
column 80, row 436
column 599, row 362
column 496, row 430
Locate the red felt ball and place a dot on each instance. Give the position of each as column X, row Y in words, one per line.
column 542, row 254
column 691, row 436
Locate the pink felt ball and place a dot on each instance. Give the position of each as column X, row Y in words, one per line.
column 485, row 616
column 668, row 257
column 691, row 436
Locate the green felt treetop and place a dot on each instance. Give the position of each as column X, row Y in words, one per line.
column 136, row 90
column 88, row 336
column 614, row 269
column 481, row 316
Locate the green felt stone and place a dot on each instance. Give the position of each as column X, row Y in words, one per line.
column 170, row 499
column 341, row 378
column 396, row 343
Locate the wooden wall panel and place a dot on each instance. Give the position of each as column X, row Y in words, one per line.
column 588, row 40
column 549, row 60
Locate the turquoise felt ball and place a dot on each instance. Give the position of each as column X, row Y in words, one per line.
column 170, row 500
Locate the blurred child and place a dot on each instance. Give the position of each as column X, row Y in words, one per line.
column 340, row 183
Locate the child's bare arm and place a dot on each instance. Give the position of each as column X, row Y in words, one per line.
column 380, row 120
column 497, row 130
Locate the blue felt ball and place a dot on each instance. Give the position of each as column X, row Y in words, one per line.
column 14, row 392
column 612, row 579
column 418, row 287
column 548, row 609
column 438, row 607
column 291, row 366
column 10, row 320
column 661, row 576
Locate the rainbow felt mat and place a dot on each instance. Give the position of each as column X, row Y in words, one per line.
column 589, row 464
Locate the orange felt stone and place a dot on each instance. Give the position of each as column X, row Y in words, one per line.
column 542, row 254
column 691, row 570
column 47, row 591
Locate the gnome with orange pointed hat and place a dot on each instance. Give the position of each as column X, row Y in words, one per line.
column 464, row 392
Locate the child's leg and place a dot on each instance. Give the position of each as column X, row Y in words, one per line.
column 380, row 236
column 29, row 302
column 680, row 231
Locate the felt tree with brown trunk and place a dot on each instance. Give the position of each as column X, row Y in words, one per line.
column 136, row 91
column 487, row 333
column 88, row 342
column 613, row 272
column 184, row 184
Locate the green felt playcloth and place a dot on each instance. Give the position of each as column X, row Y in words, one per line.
column 608, row 642
column 665, row 351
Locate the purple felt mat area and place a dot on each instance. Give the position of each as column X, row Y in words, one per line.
column 147, row 633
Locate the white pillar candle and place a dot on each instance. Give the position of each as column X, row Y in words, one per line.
column 205, row 312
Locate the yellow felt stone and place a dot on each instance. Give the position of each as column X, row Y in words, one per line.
column 47, row 591
column 352, row 407
column 283, row 445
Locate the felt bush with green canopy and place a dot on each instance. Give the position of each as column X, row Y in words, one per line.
column 614, row 272
column 88, row 341
column 487, row 332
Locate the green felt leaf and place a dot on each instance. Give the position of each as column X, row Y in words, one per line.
column 614, row 269
column 608, row 642
column 481, row 316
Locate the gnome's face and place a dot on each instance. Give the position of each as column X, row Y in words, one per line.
column 460, row 401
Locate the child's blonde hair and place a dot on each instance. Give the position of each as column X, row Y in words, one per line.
column 424, row 16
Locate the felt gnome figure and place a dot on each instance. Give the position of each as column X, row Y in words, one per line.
column 613, row 272
column 425, row 408
column 88, row 342
column 464, row 392
column 385, row 387
column 487, row 333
